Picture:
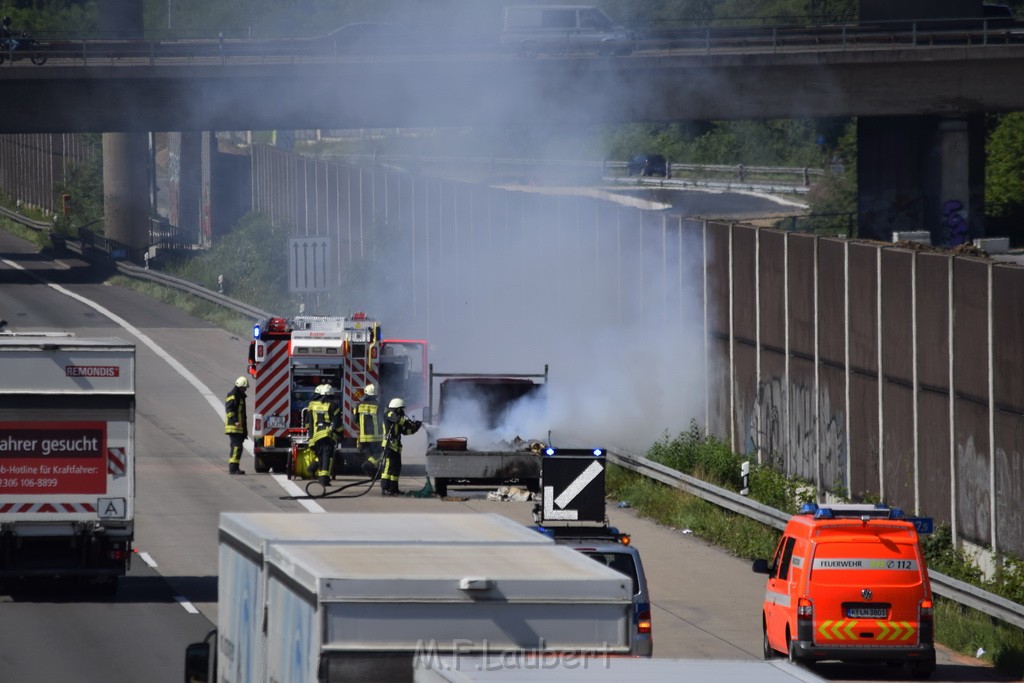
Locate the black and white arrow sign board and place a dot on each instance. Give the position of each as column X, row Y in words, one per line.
column 309, row 264
column 573, row 487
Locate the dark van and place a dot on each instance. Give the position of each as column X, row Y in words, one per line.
column 647, row 165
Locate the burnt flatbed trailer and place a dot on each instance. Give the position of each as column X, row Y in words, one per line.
column 483, row 468
column 453, row 461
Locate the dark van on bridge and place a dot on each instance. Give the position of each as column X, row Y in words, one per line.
column 647, row 165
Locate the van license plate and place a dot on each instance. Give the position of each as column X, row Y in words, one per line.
column 866, row 613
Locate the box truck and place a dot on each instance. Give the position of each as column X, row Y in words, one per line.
column 67, row 457
column 245, row 538
column 363, row 613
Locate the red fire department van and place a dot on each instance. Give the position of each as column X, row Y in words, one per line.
column 849, row 582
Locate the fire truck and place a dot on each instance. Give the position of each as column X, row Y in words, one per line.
column 290, row 357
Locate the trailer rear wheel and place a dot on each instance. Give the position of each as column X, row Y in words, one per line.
column 260, row 463
column 441, row 486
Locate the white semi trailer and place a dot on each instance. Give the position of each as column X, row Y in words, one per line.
column 355, row 596
column 67, row 457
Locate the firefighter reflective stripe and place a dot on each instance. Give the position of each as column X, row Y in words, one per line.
column 842, row 630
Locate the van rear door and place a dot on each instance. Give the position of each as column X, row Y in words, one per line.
column 866, row 585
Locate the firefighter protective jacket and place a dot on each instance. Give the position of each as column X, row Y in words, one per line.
column 366, row 418
column 396, row 424
column 323, row 421
column 235, row 420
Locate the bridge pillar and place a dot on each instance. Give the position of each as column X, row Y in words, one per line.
column 126, row 188
column 921, row 173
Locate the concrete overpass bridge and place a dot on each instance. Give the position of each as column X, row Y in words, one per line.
column 920, row 104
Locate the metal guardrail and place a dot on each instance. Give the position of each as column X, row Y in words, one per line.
column 24, row 220
column 111, row 248
column 946, row 586
column 191, row 288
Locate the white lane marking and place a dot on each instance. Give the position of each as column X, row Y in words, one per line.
column 291, row 487
column 213, row 400
column 189, row 607
column 148, row 559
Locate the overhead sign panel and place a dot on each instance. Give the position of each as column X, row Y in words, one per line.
column 309, row 260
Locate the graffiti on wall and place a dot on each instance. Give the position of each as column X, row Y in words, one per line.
column 1010, row 491
column 793, row 450
column 972, row 493
column 959, row 230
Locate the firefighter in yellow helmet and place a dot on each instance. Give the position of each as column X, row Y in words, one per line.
column 396, row 424
column 323, row 422
column 369, row 426
column 236, row 423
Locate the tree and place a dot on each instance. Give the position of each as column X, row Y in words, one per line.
column 1004, row 172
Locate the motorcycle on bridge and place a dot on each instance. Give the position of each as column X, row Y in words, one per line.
column 19, row 47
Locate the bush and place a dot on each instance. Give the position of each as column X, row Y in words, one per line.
column 704, row 456
column 253, row 260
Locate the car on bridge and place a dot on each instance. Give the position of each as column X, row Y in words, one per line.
column 559, row 29
column 647, row 165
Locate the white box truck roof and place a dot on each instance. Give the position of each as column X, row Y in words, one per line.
column 413, row 571
column 333, row 608
column 254, row 530
column 67, row 365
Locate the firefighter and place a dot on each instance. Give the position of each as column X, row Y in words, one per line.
column 370, row 433
column 323, row 421
column 236, row 424
column 396, row 424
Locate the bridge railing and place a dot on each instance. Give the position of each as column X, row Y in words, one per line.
column 716, row 39
column 739, row 176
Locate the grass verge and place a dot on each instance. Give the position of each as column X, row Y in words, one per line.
column 36, row 237
column 193, row 305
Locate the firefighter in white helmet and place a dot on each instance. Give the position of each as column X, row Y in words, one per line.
column 396, row 424
column 323, row 423
column 369, row 426
column 236, row 424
